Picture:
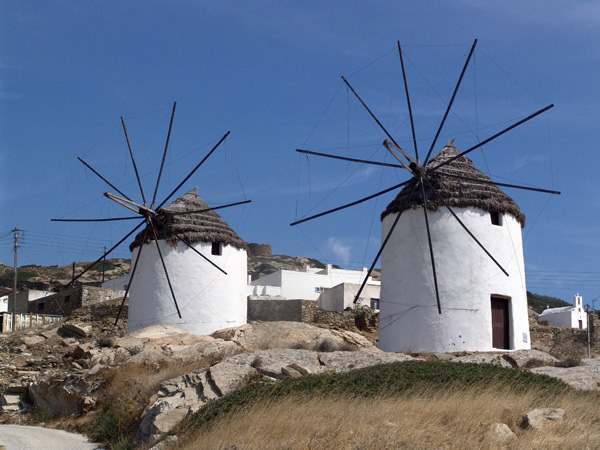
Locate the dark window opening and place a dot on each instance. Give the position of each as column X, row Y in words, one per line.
column 496, row 218
column 216, row 248
column 374, row 303
column 40, row 306
column 67, row 298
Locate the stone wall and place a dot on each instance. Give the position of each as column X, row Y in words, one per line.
column 269, row 310
column 307, row 311
column 62, row 303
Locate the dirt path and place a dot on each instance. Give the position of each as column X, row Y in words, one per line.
column 18, row 437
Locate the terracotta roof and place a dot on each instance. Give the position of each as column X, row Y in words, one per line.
column 456, row 192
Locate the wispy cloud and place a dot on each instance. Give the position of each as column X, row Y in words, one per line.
column 341, row 251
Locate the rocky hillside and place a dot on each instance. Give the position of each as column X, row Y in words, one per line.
column 49, row 278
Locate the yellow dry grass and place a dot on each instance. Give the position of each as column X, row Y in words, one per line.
column 454, row 420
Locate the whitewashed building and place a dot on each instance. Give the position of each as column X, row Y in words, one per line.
column 482, row 308
column 342, row 296
column 310, row 284
column 208, row 299
column 567, row 316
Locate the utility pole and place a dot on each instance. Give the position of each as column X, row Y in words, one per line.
column 14, row 302
column 588, row 330
column 103, row 263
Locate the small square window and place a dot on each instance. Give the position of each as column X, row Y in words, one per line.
column 374, row 303
column 40, row 306
column 496, row 218
column 216, row 248
column 67, row 298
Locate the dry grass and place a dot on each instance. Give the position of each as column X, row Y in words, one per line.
column 454, row 420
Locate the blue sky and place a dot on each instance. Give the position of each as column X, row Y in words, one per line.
column 270, row 73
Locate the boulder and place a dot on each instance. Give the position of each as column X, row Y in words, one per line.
column 529, row 358
column 150, row 354
column 56, row 398
column 132, row 344
column 31, row 341
column 500, row 432
column 75, row 329
column 176, row 398
column 539, row 417
column 10, row 402
column 584, row 377
column 496, row 359
column 365, row 357
column 267, row 335
column 231, row 374
column 167, row 335
column 213, row 350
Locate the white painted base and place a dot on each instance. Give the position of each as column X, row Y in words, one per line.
column 208, row 299
column 467, row 277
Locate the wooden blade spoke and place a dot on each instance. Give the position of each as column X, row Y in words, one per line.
column 137, row 175
column 162, row 164
column 210, row 209
column 515, row 186
column 466, row 229
column 193, row 171
column 162, row 260
column 137, row 259
column 451, row 102
column 186, row 242
column 437, row 292
column 520, row 122
column 349, row 204
column 102, row 178
column 370, row 112
column 112, row 219
column 390, row 147
column 412, row 122
column 107, row 252
column 385, row 241
column 344, row 158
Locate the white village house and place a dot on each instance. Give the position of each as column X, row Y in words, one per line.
column 567, row 316
column 208, row 299
column 333, row 288
column 482, row 308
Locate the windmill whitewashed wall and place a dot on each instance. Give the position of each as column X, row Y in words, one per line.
column 208, row 299
column 470, row 283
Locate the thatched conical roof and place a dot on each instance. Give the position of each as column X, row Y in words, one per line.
column 205, row 226
column 456, row 192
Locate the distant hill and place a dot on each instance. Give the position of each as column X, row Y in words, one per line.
column 539, row 302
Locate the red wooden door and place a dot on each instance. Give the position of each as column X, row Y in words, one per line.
column 500, row 330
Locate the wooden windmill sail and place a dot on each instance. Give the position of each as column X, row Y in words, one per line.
column 165, row 223
column 448, row 182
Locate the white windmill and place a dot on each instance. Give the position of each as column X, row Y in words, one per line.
column 186, row 252
column 452, row 263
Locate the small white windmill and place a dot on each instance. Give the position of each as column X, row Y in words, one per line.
column 164, row 274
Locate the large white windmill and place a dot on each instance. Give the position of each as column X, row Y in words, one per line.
column 452, row 262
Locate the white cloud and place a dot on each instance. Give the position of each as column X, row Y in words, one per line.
column 341, row 251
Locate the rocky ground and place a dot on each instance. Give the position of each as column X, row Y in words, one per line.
column 64, row 368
